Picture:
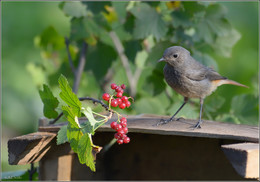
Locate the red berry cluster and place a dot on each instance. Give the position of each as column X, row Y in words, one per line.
column 121, row 101
column 122, row 130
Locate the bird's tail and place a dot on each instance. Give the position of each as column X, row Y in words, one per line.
column 231, row 82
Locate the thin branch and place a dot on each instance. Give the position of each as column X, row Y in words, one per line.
column 67, row 43
column 56, row 119
column 120, row 50
column 82, row 61
column 96, row 101
column 82, row 99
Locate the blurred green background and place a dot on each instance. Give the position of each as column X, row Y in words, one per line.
column 23, row 21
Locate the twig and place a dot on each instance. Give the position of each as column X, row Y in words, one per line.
column 82, row 99
column 96, row 101
column 120, row 50
column 31, row 171
column 82, row 61
column 67, row 43
column 56, row 119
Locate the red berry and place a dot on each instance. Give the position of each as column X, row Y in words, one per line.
column 124, row 98
column 114, row 103
column 119, row 101
column 118, row 127
column 120, row 141
column 123, row 124
column 123, row 136
column 119, row 94
column 122, row 105
column 118, row 89
column 120, row 132
column 113, row 125
column 113, row 86
column 123, row 119
column 128, row 103
column 106, row 96
column 123, row 86
column 125, row 130
column 126, row 140
column 116, row 136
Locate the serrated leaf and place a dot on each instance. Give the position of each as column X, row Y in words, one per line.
column 71, row 115
column 92, row 123
column 50, row 102
column 62, row 135
column 85, row 152
column 68, row 96
column 73, row 134
column 91, row 120
column 224, row 44
column 148, row 22
column 180, row 19
column 74, row 9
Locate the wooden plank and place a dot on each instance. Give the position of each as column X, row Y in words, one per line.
column 182, row 127
column 244, row 157
column 29, row 148
column 65, row 167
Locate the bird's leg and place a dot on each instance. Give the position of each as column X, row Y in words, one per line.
column 200, row 121
column 165, row 121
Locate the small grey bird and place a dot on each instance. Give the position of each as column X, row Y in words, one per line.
column 190, row 78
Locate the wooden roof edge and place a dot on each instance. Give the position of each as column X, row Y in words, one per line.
column 146, row 123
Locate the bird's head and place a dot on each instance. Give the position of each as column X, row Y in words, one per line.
column 175, row 55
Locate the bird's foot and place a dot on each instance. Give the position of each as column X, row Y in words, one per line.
column 197, row 125
column 165, row 121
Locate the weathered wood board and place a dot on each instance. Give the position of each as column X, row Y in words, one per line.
column 244, row 157
column 182, row 127
column 29, row 148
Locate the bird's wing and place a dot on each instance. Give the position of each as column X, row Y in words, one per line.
column 204, row 73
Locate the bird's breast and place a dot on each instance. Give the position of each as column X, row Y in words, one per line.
column 183, row 85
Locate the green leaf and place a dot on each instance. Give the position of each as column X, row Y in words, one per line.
column 215, row 103
column 74, row 9
column 181, row 19
column 148, row 22
column 92, row 123
column 50, row 102
column 71, row 115
column 50, row 39
column 73, row 134
column 62, row 135
column 85, row 152
column 120, row 8
column 68, row 96
column 91, row 120
column 224, row 44
column 229, row 118
column 245, row 108
column 156, row 82
column 102, row 55
column 188, row 111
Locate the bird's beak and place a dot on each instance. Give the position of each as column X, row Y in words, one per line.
column 160, row 60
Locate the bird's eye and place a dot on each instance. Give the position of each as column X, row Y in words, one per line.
column 175, row 55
